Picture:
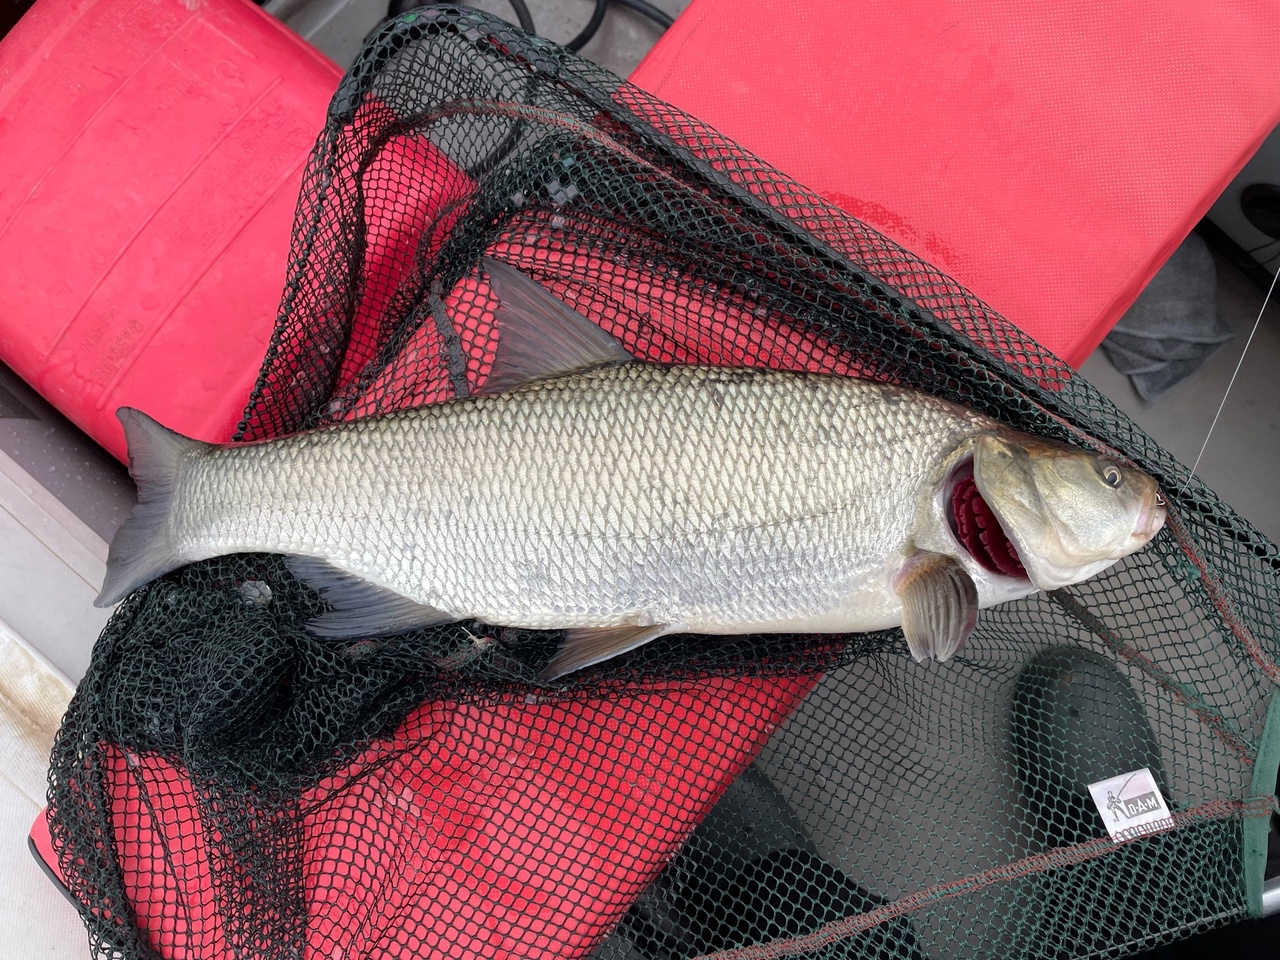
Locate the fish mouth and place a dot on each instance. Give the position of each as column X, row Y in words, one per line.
column 1151, row 518
column 976, row 528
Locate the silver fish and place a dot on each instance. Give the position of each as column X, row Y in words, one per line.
column 622, row 501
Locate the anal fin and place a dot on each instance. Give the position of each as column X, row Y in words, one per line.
column 939, row 606
column 359, row 608
column 586, row 646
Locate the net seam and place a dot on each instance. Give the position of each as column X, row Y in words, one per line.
column 1221, row 603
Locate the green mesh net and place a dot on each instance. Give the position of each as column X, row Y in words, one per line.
column 228, row 784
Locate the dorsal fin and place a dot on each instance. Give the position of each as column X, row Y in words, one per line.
column 540, row 337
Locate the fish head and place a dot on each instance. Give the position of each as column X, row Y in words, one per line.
column 1069, row 513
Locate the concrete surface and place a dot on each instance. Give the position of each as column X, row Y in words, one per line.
column 35, row 919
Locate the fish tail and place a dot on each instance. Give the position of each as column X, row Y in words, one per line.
column 140, row 551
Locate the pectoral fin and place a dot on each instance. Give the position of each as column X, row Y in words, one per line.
column 586, row 646
column 939, row 606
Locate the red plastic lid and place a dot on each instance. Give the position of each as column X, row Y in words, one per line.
column 1049, row 156
column 153, row 151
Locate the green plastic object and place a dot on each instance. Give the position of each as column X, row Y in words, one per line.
column 1075, row 720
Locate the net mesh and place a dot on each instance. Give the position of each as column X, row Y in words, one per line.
column 227, row 784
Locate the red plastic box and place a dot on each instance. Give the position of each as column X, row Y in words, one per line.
column 152, row 155
column 1050, row 156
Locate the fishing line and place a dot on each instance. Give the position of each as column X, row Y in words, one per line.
column 1239, row 363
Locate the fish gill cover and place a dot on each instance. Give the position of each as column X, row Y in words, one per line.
column 226, row 783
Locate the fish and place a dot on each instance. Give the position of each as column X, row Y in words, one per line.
column 585, row 491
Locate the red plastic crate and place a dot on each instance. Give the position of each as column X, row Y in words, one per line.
column 153, row 151
column 1049, row 156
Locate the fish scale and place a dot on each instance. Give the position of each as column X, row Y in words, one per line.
column 721, row 500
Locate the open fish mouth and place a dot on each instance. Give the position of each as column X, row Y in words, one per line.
column 975, row 526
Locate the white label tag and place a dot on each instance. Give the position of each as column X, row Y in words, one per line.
column 1131, row 805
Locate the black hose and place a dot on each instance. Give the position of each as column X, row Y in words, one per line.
column 589, row 31
column 524, row 16
column 397, row 7
column 646, row 9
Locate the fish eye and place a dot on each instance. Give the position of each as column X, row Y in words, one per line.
column 1111, row 475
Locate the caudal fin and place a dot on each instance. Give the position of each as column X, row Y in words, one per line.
column 140, row 551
